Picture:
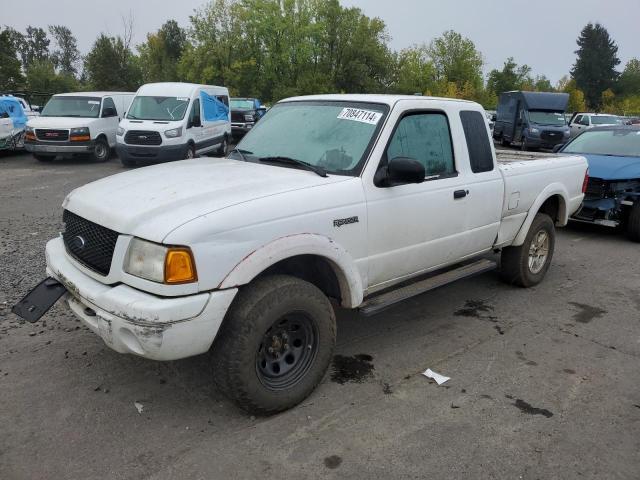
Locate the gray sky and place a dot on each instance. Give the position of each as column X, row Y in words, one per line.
column 540, row 33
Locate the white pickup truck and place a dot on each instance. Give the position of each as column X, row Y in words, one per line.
column 333, row 198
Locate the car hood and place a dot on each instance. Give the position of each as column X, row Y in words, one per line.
column 613, row 167
column 60, row 122
column 151, row 202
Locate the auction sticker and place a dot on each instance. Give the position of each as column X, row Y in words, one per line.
column 358, row 115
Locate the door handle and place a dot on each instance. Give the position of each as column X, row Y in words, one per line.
column 460, row 194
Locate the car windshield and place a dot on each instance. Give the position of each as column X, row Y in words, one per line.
column 334, row 136
column 547, row 118
column 67, row 106
column 604, row 120
column 241, row 104
column 618, row 142
column 158, row 108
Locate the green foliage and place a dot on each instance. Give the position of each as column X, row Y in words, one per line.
column 34, row 46
column 594, row 70
column 629, row 83
column 456, row 59
column 42, row 77
column 576, row 96
column 66, row 55
column 160, row 54
column 511, row 77
column 110, row 65
column 11, row 77
column 415, row 72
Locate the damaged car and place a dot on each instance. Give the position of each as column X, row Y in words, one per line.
column 612, row 197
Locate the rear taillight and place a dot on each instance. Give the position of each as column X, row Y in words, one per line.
column 585, row 182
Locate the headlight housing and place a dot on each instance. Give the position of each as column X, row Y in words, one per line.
column 120, row 131
column 249, row 118
column 159, row 263
column 173, row 133
column 534, row 131
column 80, row 134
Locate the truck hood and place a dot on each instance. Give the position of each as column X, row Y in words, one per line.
column 613, row 167
column 151, row 202
column 60, row 122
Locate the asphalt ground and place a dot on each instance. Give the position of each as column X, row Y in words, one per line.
column 545, row 382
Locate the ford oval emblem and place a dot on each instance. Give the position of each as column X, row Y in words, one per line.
column 79, row 242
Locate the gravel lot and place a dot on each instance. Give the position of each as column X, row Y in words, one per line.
column 545, row 381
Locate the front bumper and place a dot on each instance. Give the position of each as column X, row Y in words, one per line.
column 132, row 321
column 537, row 142
column 241, row 128
column 160, row 153
column 60, row 147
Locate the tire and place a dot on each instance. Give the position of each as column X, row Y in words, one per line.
column 127, row 162
column 504, row 143
column 523, row 144
column 517, row 266
column 190, row 153
column 253, row 339
column 101, row 151
column 44, row 158
column 224, row 148
column 633, row 223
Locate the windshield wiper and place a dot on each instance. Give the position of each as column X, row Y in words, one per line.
column 241, row 152
column 292, row 161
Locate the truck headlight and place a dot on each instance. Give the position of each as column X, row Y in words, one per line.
column 567, row 133
column 29, row 134
column 120, row 131
column 249, row 118
column 534, row 131
column 80, row 134
column 159, row 263
column 173, row 133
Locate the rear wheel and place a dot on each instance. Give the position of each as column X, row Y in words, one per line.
column 633, row 223
column 275, row 344
column 101, row 151
column 504, row 142
column 224, row 148
column 527, row 264
column 43, row 158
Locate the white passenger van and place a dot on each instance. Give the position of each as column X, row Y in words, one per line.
column 77, row 123
column 174, row 121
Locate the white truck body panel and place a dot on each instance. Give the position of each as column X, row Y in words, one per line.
column 240, row 218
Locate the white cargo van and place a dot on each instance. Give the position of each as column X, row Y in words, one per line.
column 77, row 123
column 174, row 121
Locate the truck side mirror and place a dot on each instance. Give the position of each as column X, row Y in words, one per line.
column 400, row 171
column 109, row 112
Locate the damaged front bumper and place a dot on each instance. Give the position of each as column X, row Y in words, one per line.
column 132, row 321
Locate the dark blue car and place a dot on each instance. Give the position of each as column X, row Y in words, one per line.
column 613, row 193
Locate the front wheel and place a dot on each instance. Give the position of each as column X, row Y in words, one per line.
column 275, row 344
column 224, row 148
column 527, row 264
column 191, row 152
column 633, row 223
column 101, row 151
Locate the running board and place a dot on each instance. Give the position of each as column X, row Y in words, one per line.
column 383, row 301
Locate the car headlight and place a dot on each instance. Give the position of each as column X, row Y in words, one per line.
column 120, row 131
column 249, row 118
column 80, row 132
column 159, row 263
column 173, row 133
column 567, row 133
column 534, row 131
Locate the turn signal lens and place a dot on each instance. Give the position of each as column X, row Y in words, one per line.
column 585, row 182
column 179, row 266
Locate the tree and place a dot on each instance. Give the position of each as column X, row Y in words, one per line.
column 597, row 58
column 11, row 77
column 576, row 96
column 160, row 54
column 66, row 55
column 415, row 72
column 511, row 77
column 457, row 60
column 543, row 84
column 110, row 65
column 629, row 83
column 42, row 77
column 34, row 46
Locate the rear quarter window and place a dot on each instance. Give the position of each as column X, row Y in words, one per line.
column 475, row 132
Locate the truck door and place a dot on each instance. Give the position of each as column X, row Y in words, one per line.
column 109, row 120
column 417, row 227
column 520, row 123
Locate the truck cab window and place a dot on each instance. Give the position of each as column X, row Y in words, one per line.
column 195, row 112
column 224, row 99
column 475, row 132
column 109, row 108
column 424, row 137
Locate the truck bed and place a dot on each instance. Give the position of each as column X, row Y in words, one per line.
column 506, row 156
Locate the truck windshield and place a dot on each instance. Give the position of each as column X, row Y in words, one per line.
column 335, row 136
column 547, row 118
column 241, row 104
column 67, row 106
column 158, row 108
column 618, row 142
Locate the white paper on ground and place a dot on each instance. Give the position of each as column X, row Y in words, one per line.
column 440, row 379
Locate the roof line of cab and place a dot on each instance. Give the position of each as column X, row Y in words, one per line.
column 388, row 99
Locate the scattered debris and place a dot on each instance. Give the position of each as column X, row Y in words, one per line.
column 354, row 369
column 386, row 389
column 139, row 407
column 440, row 379
column 333, row 461
column 530, row 410
column 499, row 329
column 455, row 406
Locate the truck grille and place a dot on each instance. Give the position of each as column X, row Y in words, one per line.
column 142, row 137
column 89, row 243
column 238, row 117
column 596, row 188
column 52, row 135
column 550, row 136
